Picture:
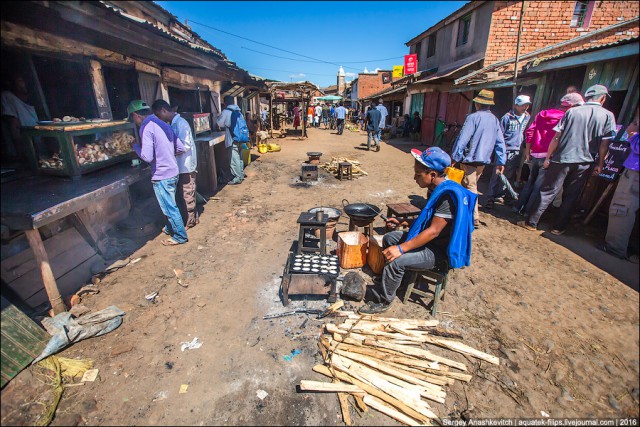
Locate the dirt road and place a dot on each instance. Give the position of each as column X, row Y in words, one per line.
column 566, row 331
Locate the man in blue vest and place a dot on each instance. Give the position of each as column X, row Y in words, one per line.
column 441, row 233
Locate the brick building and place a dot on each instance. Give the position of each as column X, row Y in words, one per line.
column 475, row 48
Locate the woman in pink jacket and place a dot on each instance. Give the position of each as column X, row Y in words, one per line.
column 538, row 137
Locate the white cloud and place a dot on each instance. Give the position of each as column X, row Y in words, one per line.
column 297, row 76
column 350, row 74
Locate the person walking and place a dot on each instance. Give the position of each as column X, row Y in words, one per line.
column 234, row 148
column 263, row 117
column 296, row 116
column 340, row 116
column 159, row 147
column 538, row 136
column 624, row 205
column 512, row 126
column 325, row 115
column 383, row 119
column 372, row 123
column 187, row 162
column 479, row 137
column 570, row 157
column 318, row 115
column 310, row 113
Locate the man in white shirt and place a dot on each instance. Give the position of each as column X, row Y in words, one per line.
column 16, row 113
column 341, row 113
column 187, row 162
column 383, row 120
column 318, row 114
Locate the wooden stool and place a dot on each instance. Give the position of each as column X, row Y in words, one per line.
column 402, row 211
column 308, row 222
column 345, row 170
column 437, row 276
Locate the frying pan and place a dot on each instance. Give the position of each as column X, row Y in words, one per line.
column 361, row 212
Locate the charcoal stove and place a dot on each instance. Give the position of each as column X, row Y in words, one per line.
column 314, row 157
column 310, row 274
column 309, row 173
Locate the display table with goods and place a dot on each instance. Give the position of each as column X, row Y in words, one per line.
column 75, row 148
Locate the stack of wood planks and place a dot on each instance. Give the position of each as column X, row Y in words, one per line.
column 383, row 363
column 332, row 166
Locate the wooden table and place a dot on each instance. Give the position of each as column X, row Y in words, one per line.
column 30, row 203
column 402, row 211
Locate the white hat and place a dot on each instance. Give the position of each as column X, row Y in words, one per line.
column 522, row 100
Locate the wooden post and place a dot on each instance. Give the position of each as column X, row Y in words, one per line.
column 600, row 201
column 271, row 113
column 304, row 122
column 50, row 285
column 515, row 74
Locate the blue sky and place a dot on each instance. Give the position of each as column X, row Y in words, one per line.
column 343, row 33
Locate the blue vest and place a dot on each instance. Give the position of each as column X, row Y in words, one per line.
column 459, row 249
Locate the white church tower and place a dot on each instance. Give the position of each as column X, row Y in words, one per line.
column 341, row 83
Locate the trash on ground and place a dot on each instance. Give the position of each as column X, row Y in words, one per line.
column 195, row 343
column 88, row 290
column 161, row 395
column 382, row 362
column 151, row 297
column 66, row 330
column 293, row 354
column 261, row 394
column 183, row 388
column 90, row 375
column 179, row 273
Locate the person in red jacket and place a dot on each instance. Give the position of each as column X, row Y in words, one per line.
column 538, row 137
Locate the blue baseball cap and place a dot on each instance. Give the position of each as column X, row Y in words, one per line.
column 434, row 158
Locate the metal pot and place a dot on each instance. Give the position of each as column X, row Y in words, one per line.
column 361, row 213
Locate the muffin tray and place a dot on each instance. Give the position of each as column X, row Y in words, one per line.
column 313, row 263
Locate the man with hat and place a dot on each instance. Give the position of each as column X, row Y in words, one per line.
column 159, row 146
column 479, row 137
column 440, row 234
column 512, row 124
column 571, row 154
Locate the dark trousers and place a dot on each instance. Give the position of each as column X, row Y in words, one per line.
column 570, row 176
column 340, row 126
column 531, row 191
column 498, row 189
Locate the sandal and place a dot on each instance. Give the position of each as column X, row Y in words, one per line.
column 557, row 232
column 170, row 242
column 526, row 226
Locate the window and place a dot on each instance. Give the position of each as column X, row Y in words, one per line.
column 122, row 87
column 416, row 49
column 582, row 12
column 431, row 48
column 67, row 87
column 463, row 30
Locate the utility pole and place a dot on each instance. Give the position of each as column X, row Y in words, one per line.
column 515, row 72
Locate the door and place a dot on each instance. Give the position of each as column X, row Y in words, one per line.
column 429, row 115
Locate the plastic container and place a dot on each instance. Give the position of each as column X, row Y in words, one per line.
column 246, row 154
column 262, row 148
column 454, row 174
column 352, row 249
column 375, row 258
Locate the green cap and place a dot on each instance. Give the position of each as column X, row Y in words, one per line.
column 136, row 105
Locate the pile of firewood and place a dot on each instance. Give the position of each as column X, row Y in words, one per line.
column 332, row 166
column 383, row 364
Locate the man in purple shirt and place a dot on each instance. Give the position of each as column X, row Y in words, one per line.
column 159, row 147
column 624, row 205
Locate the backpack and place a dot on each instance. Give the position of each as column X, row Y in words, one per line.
column 239, row 129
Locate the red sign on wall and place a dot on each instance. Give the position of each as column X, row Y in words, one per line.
column 410, row 64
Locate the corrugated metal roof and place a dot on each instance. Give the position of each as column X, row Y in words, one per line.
column 538, row 61
column 209, row 49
